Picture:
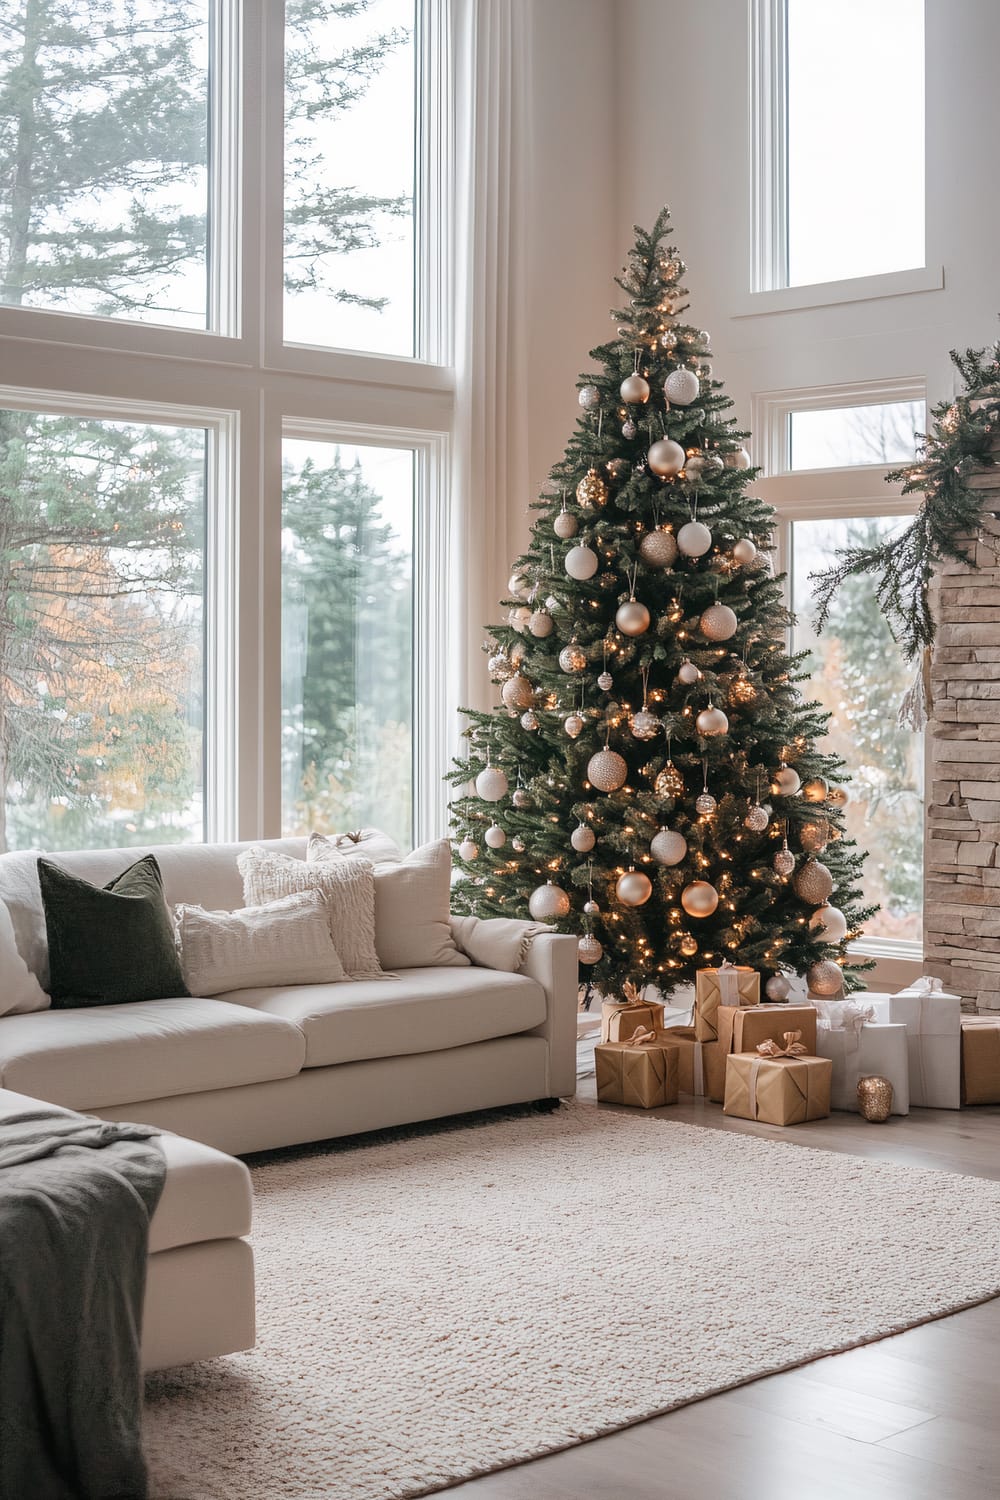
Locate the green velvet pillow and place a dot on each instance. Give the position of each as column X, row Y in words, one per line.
column 110, row 945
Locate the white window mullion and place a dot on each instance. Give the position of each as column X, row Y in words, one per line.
column 768, row 144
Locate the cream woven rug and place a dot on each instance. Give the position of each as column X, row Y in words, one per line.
column 441, row 1305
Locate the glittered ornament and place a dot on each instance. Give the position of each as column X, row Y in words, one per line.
column 813, row 883
column 580, row 563
column 713, row 465
column 573, row 725
column 467, row 850
column 737, row 458
column 757, row 818
column 644, row 725
column 629, row 430
column 607, row 770
column 668, row 339
column 548, row 902
column 517, row 843
column 499, row 668
column 777, row 988
column 668, row 847
column 665, row 457
column 689, row 945
column 583, row 838
column 633, row 888
column 681, row 387
column 874, row 1098
column 565, row 525
column 589, row 950
column 694, row 466
column 742, row 693
column 718, row 623
column 591, row 491
column 605, row 682
column 705, row 804
column 784, row 861
column 838, row 796
column 495, row 836
column 529, row 720
column 521, row 798
column 699, row 899
column 711, row 721
column 517, row 692
column 669, row 781
column 658, row 549
column 541, row 624
column 517, row 653
column 573, row 658
column 815, row 789
column 830, row 923
column 589, row 397
column 814, row 835
column 491, row 784
column 786, row 781
column 825, row 978
column 634, row 389
column 694, row 539
column 632, row 618
column 744, row 551
column 688, row 673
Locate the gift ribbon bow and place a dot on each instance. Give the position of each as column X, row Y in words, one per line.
column 641, row 1038
column 632, row 995
column 792, row 1048
column 925, row 985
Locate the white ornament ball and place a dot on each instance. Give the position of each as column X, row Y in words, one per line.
column 658, row 549
column 745, row 550
column 541, row 624
column 838, row 796
column 517, row 584
column 813, row 883
column 830, row 923
column 573, row 658
column 632, row 618
column 605, row 682
column 777, row 988
column 825, row 978
column 681, row 387
column 634, row 389
column 583, row 838
column 573, row 725
column 495, row 836
column 629, row 430
column 665, row 457
column 711, row 721
column 548, row 902
column 644, row 724
column 565, row 525
column 529, row 720
column 467, row 850
column 634, row 888
column 786, row 781
column 784, row 861
column 517, row 842
column 589, row 397
column 668, row 847
column 688, row 673
column 607, row 770
column 519, row 618
column 581, row 563
column 694, row 539
column 738, row 458
column 718, row 623
column 757, row 818
column 517, row 692
column 491, row 784
column 589, row 950
column 699, row 899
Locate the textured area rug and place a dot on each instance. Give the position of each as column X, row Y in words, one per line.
column 438, row 1306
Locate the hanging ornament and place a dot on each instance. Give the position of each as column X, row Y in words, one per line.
column 644, row 725
column 658, row 549
column 665, row 457
column 777, row 988
column 607, row 770
column 491, row 784
column 589, row 397
column 573, row 725
column 744, row 551
column 815, row 789
column 742, row 693
column 669, row 781
column 519, row 618
column 495, row 836
column 517, row 585
column 541, row 624
column 517, row 692
column 784, row 860
column 582, row 838
column 713, row 465
column 629, row 430
column 699, row 899
column 517, row 653
column 838, row 796
column 529, row 720
column 681, row 387
column 694, row 464
column 813, row 883
column 580, row 563
column 634, row 389
column 589, row 950
column 632, row 618
column 829, row 923
column 737, row 458
column 633, row 888
column 548, row 902
column 718, row 623
column 517, row 843
column 786, row 781
column 592, row 492
column 521, row 798
column 499, row 667
column 668, row 847
column 711, row 721
column 705, row 803
column 605, row 682
column 689, row 945
column 814, row 835
column 573, row 658
column 694, row 539
column 591, row 908
column 688, row 673
column 468, row 851
column 825, row 978
column 565, row 525
column 757, row 818
column 668, row 339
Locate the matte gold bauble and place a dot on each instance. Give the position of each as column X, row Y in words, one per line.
column 813, row 883
column 668, row 847
column 592, row 491
column 607, row 770
column 665, row 458
column 830, row 923
column 669, row 781
column 777, row 989
column 694, row 539
column 875, row 1099
column 541, row 624
column 517, row 692
column 573, row 725
column 815, row 789
column 632, row 618
column 689, row 945
column 744, row 551
column 565, row 525
column 838, row 796
column 573, row 658
column 825, row 978
column 581, row 563
column 634, row 390
column 519, row 618
column 737, row 458
column 583, row 838
column 711, row 722
column 786, row 781
column 491, row 784
column 589, row 950
column 718, row 623
column 634, row 888
column 548, row 902
column 688, row 673
column 699, row 899
column 658, row 549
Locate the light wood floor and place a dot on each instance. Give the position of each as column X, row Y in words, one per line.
column 914, row 1417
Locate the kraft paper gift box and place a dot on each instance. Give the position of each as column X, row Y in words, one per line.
column 701, row 1066
column 777, row 1090
column 730, row 984
column 742, row 1028
column 643, row 1075
column 933, row 1021
column 621, row 1019
column 860, row 1048
column 980, row 1060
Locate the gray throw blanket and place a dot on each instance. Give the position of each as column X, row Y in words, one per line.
column 76, row 1198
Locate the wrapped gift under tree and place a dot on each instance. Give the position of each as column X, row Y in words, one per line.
column 743, row 1028
column 859, row 1047
column 641, row 1071
column 729, row 984
column 980, row 1060
column 779, row 1083
column 701, row 1066
column 933, row 1021
column 620, row 1019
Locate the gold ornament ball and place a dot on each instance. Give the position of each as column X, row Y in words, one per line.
column 786, row 781
column 838, row 796
column 875, row 1099
column 541, row 624
column 491, row 784
column 815, row 789
column 681, row 387
column 589, row 397
column 757, row 818
column 634, row 390
column 658, row 549
column 669, row 782
column 518, row 585
column 589, row 950
column 519, row 617
column 517, row 692
column 737, row 458
column 744, row 551
column 573, row 658
column 830, row 923
column 583, row 838
column 645, row 725
column 705, row 804
column 694, row 539
column 592, row 491
column 573, row 725
column 699, row 899
column 825, row 978
column 665, row 458
column 668, row 847
column 718, row 623
column 632, row 618
column 521, row 797
column 784, row 861
column 565, row 525
column 688, row 673
column 605, row 682
column 580, row 563
column 777, row 989
column 813, row 883
column 634, row 888
column 529, row 720
column 468, row 850
column 711, row 722
column 742, row 693
column 607, row 770
column 694, row 466
column 548, row 902
column 814, row 835
column 689, row 945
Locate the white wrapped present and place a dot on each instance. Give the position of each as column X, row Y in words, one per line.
column 861, row 1048
column 933, row 1021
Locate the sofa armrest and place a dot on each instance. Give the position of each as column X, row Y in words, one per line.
column 552, row 962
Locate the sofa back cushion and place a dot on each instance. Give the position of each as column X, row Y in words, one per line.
column 287, row 941
column 412, row 911
column 372, row 843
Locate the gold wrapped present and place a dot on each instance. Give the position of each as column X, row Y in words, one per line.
column 641, row 1072
column 779, row 1084
column 741, row 1028
column 701, row 1066
column 980, row 1060
column 730, row 984
column 620, row 1019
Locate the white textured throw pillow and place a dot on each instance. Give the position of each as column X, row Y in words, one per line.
column 412, row 911
column 348, row 886
column 372, row 843
column 283, row 942
column 20, row 990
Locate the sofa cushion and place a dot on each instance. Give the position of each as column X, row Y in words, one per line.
column 424, row 1010
column 371, row 842
column 347, row 884
column 19, row 987
column 122, row 1054
column 285, row 942
column 413, row 911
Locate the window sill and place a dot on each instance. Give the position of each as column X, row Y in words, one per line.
column 831, row 293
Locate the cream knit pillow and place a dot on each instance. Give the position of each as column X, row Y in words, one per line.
column 348, row 886
column 285, row 942
column 413, row 910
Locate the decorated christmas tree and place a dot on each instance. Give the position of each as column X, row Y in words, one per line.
column 650, row 779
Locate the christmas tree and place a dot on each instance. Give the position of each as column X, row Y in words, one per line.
column 650, row 780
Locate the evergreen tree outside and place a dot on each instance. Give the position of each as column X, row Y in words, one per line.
column 652, row 753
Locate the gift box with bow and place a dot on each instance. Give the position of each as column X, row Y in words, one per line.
column 741, row 1028
column 859, row 1048
column 980, row 1060
column 933, row 1021
column 729, row 984
column 620, row 1019
column 779, row 1083
column 641, row 1072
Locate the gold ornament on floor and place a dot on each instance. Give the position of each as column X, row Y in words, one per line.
column 699, row 899
column 875, row 1099
column 592, row 492
column 825, row 979
column 607, row 770
column 813, row 883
